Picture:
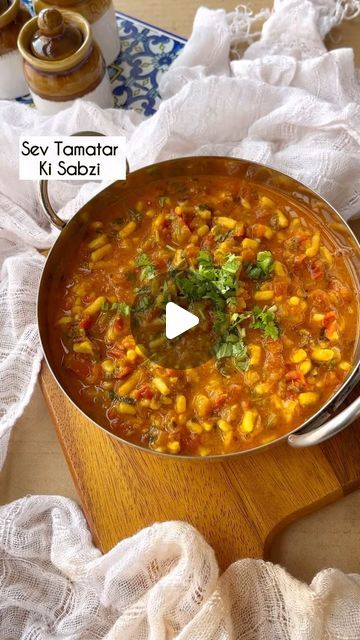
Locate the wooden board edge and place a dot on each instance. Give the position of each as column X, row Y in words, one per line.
column 45, row 371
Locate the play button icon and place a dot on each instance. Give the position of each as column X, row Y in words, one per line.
column 169, row 328
column 178, row 320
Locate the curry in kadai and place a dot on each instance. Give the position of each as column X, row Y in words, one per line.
column 275, row 299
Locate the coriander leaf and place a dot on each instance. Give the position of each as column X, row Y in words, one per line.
column 143, row 303
column 204, row 259
column 226, row 275
column 166, row 295
column 162, row 201
column 121, row 307
column 231, row 344
column 237, row 318
column 263, row 267
column 232, row 264
column 265, row 320
column 223, row 350
column 142, row 260
column 242, row 363
column 148, row 269
column 220, row 321
column 210, row 281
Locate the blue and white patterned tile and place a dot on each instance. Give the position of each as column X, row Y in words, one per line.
column 146, row 52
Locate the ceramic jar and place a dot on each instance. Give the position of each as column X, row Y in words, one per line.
column 62, row 62
column 13, row 16
column 100, row 15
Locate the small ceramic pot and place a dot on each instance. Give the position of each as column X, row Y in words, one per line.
column 13, row 16
column 100, row 15
column 62, row 62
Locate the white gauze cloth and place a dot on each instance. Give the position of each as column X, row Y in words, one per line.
column 285, row 102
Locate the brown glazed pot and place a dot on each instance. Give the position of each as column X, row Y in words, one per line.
column 13, row 16
column 100, row 15
column 56, row 68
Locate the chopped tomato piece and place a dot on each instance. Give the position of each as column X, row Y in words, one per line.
column 209, row 241
column 118, row 325
column 320, row 300
column 274, row 346
column 316, row 269
column 329, row 319
column 218, row 402
column 86, row 322
column 281, row 287
column 296, row 379
column 144, row 393
column 299, row 261
column 117, row 350
column 122, row 370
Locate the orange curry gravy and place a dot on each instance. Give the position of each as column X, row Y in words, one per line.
column 284, row 316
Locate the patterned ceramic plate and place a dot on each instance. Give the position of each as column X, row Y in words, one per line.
column 146, row 52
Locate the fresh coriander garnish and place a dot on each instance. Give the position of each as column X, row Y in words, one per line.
column 166, row 295
column 120, row 307
column 143, row 303
column 265, row 320
column 220, row 321
column 231, row 344
column 210, row 281
column 263, row 267
column 148, row 269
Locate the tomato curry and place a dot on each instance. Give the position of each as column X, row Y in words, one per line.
column 282, row 313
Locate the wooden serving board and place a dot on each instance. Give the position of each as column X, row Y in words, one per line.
column 238, row 505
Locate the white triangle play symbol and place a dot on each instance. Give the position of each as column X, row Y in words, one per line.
column 178, row 320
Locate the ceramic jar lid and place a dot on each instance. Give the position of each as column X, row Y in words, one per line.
column 91, row 11
column 55, row 40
